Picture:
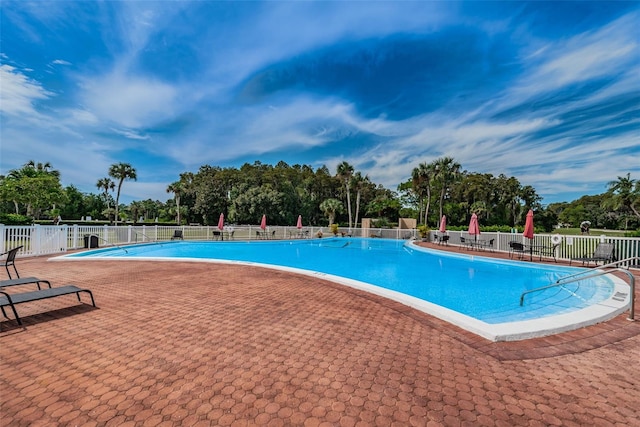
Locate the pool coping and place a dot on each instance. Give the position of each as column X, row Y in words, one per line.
column 507, row 331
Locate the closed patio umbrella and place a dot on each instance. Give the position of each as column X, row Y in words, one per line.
column 443, row 224
column 528, row 232
column 221, row 225
column 474, row 228
column 299, row 224
column 263, row 223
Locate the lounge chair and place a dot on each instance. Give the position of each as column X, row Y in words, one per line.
column 11, row 260
column 604, row 253
column 23, row 281
column 516, row 248
column 11, row 300
column 177, row 235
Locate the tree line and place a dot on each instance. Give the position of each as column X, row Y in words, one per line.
column 283, row 191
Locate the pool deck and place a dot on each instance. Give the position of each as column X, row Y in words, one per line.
column 200, row 344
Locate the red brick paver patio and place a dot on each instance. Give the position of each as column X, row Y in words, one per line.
column 199, row 344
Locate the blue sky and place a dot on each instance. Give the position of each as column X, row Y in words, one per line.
column 548, row 92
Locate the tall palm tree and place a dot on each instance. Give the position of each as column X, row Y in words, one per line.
column 421, row 180
column 120, row 172
column 510, row 191
column 106, row 185
column 447, row 171
column 360, row 182
column 177, row 190
column 345, row 172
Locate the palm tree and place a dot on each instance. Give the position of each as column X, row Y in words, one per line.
column 106, row 185
column 331, row 207
column 121, row 171
column 177, row 190
column 625, row 192
column 421, row 178
column 447, row 171
column 360, row 183
column 345, row 172
column 42, row 168
column 509, row 190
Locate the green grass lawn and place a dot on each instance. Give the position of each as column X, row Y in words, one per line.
column 592, row 232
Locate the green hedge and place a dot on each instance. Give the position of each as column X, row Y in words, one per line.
column 15, row 219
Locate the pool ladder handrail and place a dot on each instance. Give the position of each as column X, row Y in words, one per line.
column 576, row 278
column 144, row 235
column 112, row 244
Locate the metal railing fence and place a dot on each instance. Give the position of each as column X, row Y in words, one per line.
column 568, row 246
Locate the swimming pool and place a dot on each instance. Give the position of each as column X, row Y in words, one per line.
column 476, row 293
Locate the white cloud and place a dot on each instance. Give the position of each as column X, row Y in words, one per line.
column 606, row 52
column 131, row 134
column 19, row 93
column 129, row 101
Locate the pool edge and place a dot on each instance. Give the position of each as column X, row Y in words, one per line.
column 496, row 332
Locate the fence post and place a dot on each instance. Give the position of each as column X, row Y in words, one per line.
column 36, row 233
column 74, row 235
column 3, row 239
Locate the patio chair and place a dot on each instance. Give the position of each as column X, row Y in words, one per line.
column 516, row 248
column 11, row 261
column 603, row 252
column 486, row 244
column 177, row 235
column 444, row 239
column 548, row 252
column 468, row 243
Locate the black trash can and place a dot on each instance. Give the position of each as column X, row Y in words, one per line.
column 90, row 241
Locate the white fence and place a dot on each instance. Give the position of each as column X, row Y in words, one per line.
column 50, row 239
column 568, row 247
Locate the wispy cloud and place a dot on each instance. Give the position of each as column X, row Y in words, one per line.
column 20, row 93
column 548, row 97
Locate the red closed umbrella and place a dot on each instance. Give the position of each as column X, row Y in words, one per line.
column 443, row 224
column 299, row 224
column 474, row 228
column 263, row 223
column 528, row 226
column 528, row 232
column 221, row 222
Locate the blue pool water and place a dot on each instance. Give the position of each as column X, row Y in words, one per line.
column 485, row 289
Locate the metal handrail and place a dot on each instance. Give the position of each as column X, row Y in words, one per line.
column 144, row 235
column 112, row 244
column 611, row 264
column 560, row 282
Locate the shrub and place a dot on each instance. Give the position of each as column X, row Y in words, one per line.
column 15, row 219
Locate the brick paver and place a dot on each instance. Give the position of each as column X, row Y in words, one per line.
column 203, row 344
